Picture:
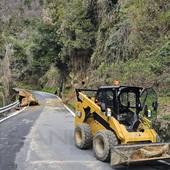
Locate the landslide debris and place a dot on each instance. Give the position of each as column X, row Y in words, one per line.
column 26, row 98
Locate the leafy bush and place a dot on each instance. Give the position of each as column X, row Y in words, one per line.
column 162, row 127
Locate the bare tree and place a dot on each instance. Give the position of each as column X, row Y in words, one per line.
column 6, row 72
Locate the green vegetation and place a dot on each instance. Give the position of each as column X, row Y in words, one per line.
column 96, row 41
column 57, row 44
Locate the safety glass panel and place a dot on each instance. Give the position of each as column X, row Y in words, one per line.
column 149, row 103
column 128, row 99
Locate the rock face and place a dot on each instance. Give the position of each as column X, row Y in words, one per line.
column 26, row 98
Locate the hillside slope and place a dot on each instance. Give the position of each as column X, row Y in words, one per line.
column 57, row 44
column 54, row 45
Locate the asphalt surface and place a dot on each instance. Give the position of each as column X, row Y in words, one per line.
column 41, row 138
column 13, row 132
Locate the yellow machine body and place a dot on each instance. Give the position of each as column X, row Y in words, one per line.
column 149, row 135
column 130, row 141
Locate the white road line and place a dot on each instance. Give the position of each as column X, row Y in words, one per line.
column 13, row 114
column 164, row 162
column 70, row 110
column 67, row 107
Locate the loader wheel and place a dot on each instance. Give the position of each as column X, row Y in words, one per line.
column 102, row 143
column 83, row 136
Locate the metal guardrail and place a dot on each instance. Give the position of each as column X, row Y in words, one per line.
column 9, row 107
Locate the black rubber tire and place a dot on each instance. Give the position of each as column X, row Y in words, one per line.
column 103, row 141
column 83, row 136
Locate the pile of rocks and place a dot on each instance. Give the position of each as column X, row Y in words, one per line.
column 26, row 98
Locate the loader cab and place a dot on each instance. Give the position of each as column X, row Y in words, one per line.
column 126, row 102
column 106, row 98
column 122, row 100
column 129, row 105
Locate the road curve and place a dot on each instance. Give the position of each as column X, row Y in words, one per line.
column 41, row 138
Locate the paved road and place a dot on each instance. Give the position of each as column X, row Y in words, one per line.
column 13, row 133
column 41, row 138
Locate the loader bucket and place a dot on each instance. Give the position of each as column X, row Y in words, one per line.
column 126, row 154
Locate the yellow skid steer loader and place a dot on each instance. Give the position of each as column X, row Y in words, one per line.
column 117, row 122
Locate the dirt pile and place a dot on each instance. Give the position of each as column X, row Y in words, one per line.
column 26, row 98
column 151, row 152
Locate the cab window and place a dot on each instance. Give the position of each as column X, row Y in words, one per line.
column 106, row 96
